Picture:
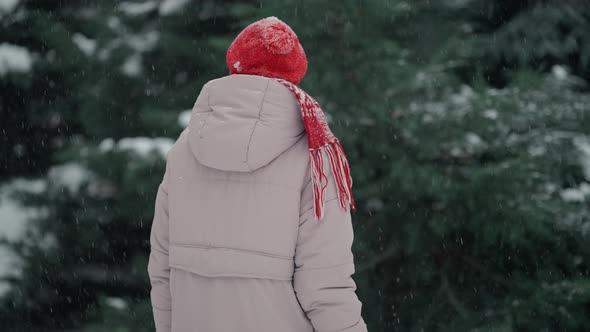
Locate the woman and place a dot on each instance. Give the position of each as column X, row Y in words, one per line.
column 252, row 230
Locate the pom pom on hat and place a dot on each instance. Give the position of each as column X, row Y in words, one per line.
column 270, row 48
column 279, row 39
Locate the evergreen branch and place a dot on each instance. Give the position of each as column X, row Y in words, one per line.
column 376, row 260
column 112, row 280
column 446, row 288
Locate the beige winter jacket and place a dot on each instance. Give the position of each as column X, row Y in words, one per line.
column 234, row 243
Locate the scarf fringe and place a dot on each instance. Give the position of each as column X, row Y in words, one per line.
column 321, row 138
column 341, row 171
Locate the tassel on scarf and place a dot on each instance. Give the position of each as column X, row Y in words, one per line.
column 320, row 139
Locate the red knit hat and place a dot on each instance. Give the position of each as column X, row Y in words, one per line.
column 270, row 48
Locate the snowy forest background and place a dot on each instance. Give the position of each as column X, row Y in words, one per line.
column 466, row 122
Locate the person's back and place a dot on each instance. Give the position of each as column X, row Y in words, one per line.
column 236, row 244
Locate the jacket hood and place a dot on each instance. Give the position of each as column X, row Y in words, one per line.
column 243, row 122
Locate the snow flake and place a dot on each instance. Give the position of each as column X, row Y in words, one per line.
column 467, row 28
column 137, row 8
column 550, row 188
column 456, row 152
column 184, row 118
column 427, row 118
column 560, row 72
column 7, row 6
column 144, row 42
column 365, row 121
column 463, row 96
column 537, row 150
column 132, row 66
column 70, row 176
column 144, row 145
column 458, row 3
column 375, row 204
column 139, row 42
column 19, row 150
column 106, row 145
column 435, row 107
column 473, row 139
column 170, row 7
column 14, row 219
column 583, row 145
column 237, row 66
column 578, row 194
column 14, row 59
column 12, row 213
column 421, row 78
column 495, row 92
column 491, row 114
column 141, row 146
column 114, row 23
column 102, row 188
column 86, row 45
column 116, row 302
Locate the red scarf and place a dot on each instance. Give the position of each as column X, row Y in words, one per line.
column 321, row 137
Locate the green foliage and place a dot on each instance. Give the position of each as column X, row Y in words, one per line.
column 465, row 122
column 532, row 33
column 471, row 215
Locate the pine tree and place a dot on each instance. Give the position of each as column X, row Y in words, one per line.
column 126, row 71
column 471, row 198
column 465, row 123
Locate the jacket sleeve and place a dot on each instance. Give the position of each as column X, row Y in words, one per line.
column 158, row 269
column 324, row 265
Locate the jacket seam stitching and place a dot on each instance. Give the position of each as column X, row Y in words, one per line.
column 324, row 267
column 307, row 182
column 346, row 328
column 255, row 126
column 252, row 182
column 251, row 252
column 187, row 267
column 161, row 309
column 163, row 187
column 159, row 250
column 209, row 112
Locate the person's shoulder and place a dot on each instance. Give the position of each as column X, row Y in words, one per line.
column 178, row 146
column 251, row 82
